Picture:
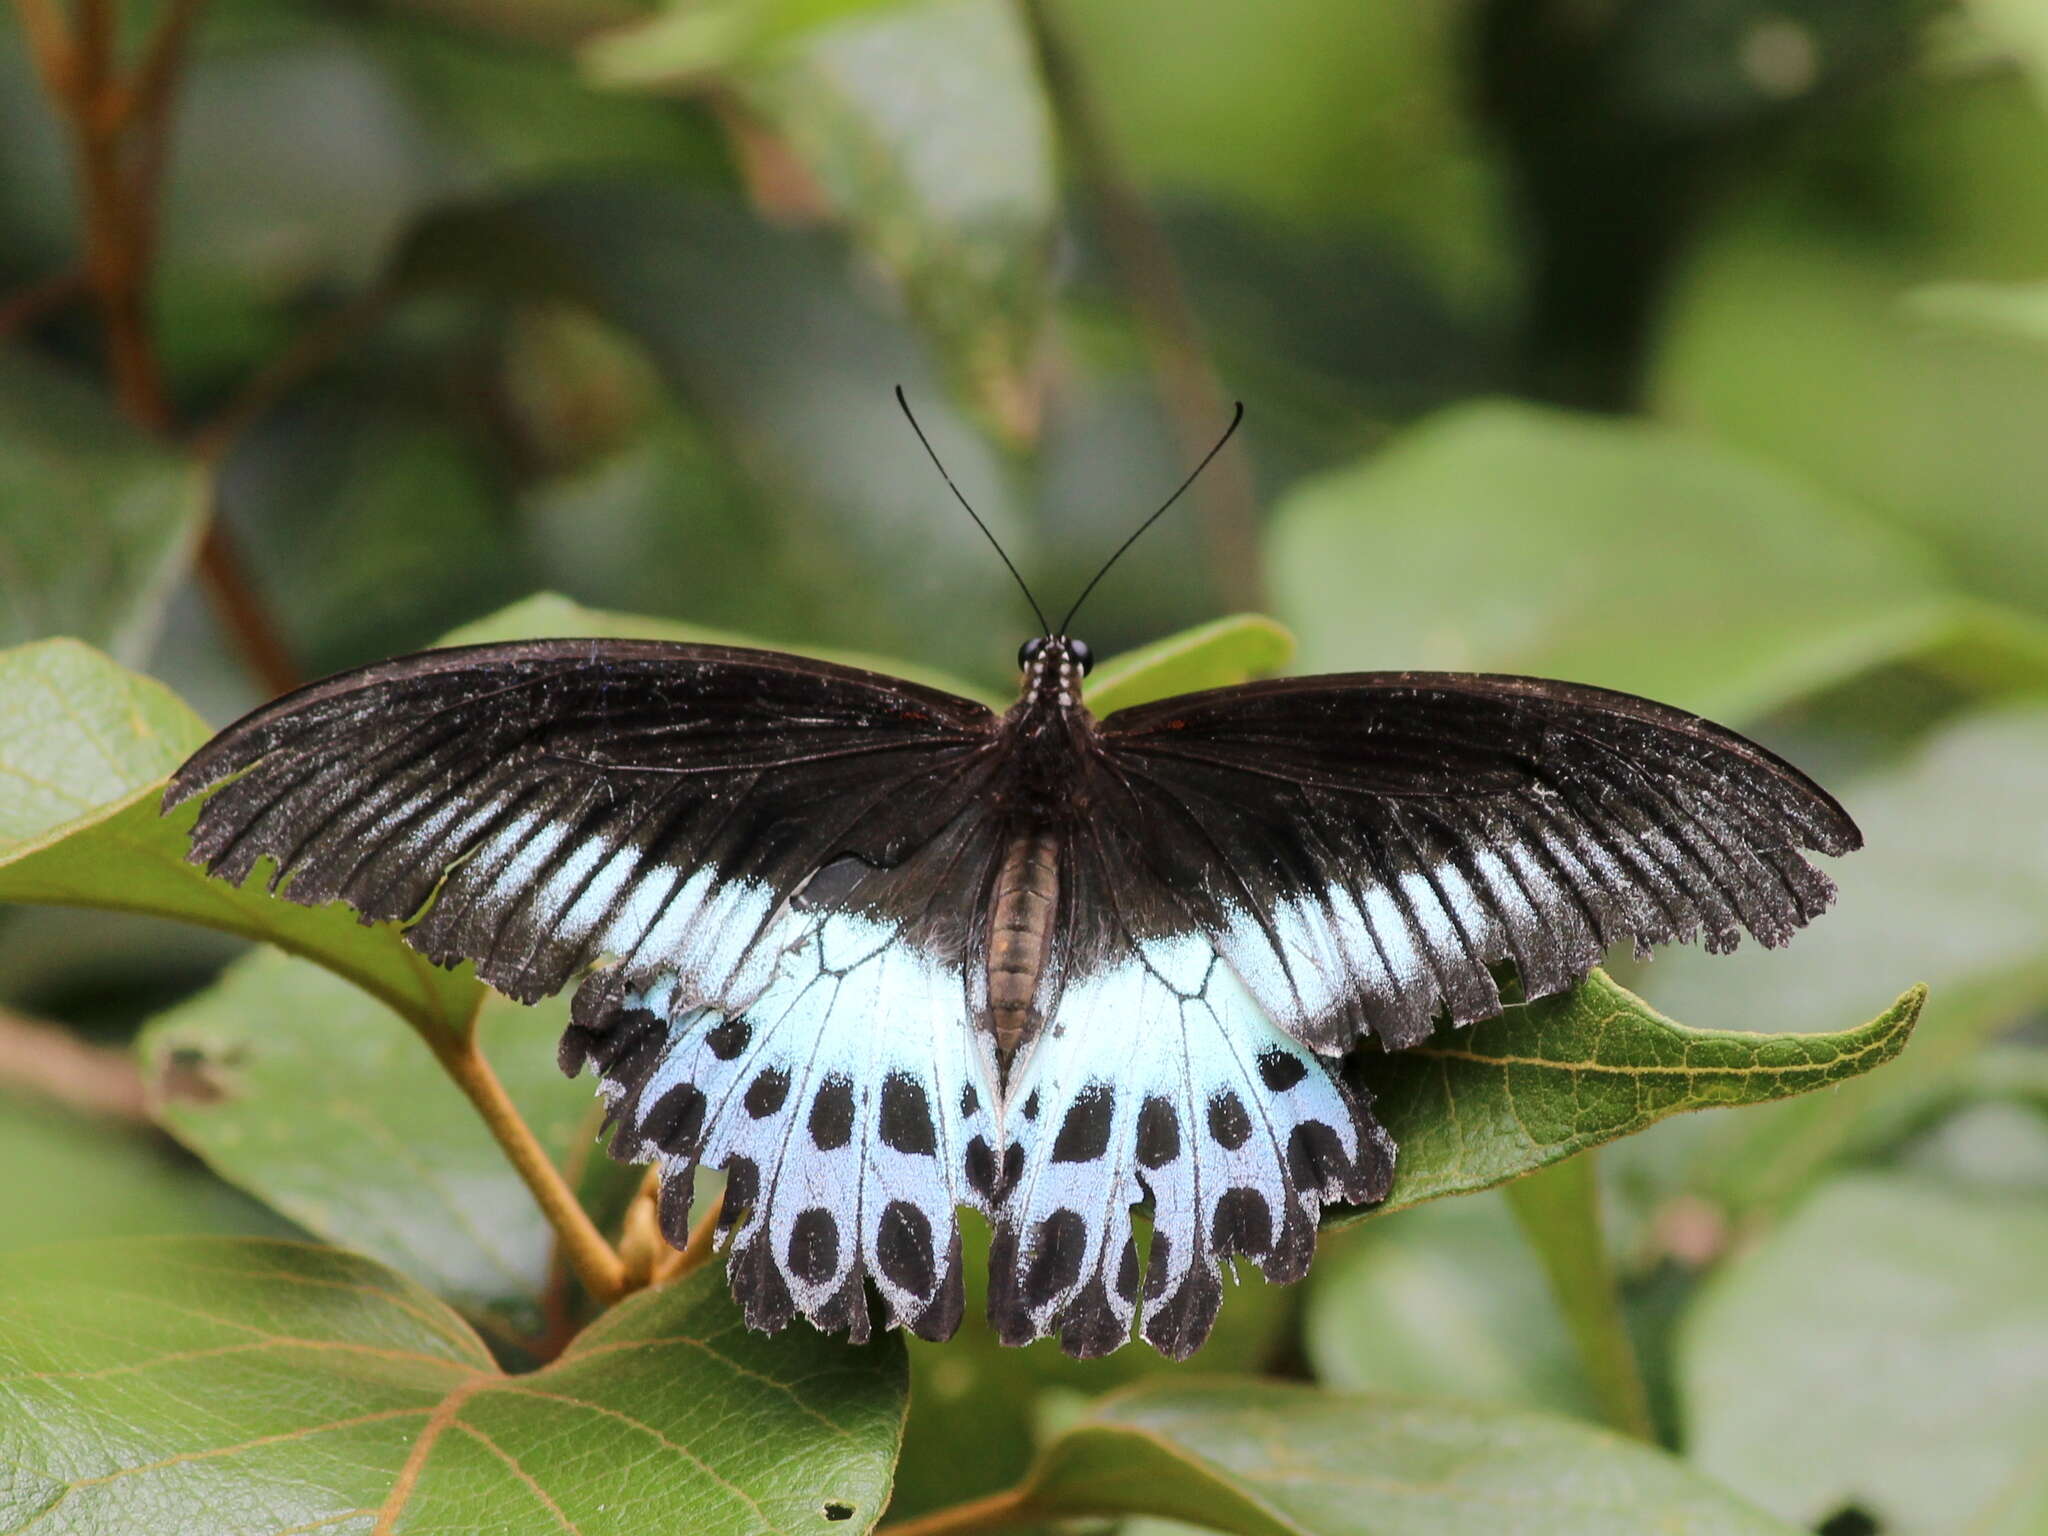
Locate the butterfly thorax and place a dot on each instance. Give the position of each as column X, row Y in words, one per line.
column 1047, row 730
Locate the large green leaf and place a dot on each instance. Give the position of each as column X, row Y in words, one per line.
column 237, row 1385
column 84, row 750
column 1785, row 334
column 302, row 1090
column 71, row 1175
column 1214, row 655
column 97, row 523
column 1598, row 550
column 1265, row 1459
column 1476, row 1107
column 1446, row 1300
column 1886, row 1348
column 1952, row 890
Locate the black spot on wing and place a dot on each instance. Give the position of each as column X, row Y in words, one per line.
column 1057, row 1250
column 1177, row 1325
column 729, row 1037
column 676, row 1122
column 906, row 1118
column 814, row 1245
column 1158, row 1132
column 1280, row 1070
column 1127, row 1276
column 903, row 1248
column 766, row 1093
column 831, row 1122
column 1229, row 1125
column 1089, row 1324
column 980, row 1162
column 1243, row 1224
column 1084, row 1134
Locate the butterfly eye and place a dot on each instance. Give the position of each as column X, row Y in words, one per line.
column 1029, row 650
column 1084, row 658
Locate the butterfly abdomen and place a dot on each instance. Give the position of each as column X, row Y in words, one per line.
column 1026, row 900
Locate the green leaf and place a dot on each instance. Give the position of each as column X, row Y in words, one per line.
column 1448, row 1300
column 1784, row 336
column 230, row 1386
column 2019, row 27
column 1214, row 655
column 683, row 43
column 1266, row 1459
column 1916, row 1313
column 97, row 523
column 84, row 749
column 1953, row 889
column 1476, row 1107
column 1597, row 550
column 2017, row 310
column 73, row 1176
column 300, row 1089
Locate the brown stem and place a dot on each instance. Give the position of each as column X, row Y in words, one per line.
column 593, row 1259
column 240, row 611
column 120, row 135
column 145, row 106
column 53, row 1062
column 1188, row 383
column 641, row 1246
column 998, row 1511
column 49, row 43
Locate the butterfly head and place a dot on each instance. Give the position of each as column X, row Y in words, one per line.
column 1053, row 666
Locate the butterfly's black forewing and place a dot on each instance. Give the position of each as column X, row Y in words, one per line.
column 549, row 801
column 1363, row 847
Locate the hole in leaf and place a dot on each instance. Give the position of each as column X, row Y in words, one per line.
column 1848, row 1521
column 186, row 1075
column 834, row 1510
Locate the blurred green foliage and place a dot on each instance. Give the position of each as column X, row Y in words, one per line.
column 1694, row 347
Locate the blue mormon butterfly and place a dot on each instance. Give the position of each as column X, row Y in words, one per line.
column 879, row 952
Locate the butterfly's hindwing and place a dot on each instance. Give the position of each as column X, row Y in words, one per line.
column 840, row 1101
column 1158, row 1077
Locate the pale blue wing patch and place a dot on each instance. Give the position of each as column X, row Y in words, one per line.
column 1158, row 1077
column 842, row 1101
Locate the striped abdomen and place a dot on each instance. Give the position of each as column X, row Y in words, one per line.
column 1027, row 894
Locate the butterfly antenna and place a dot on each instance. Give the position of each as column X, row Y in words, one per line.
column 933, row 453
column 1236, row 417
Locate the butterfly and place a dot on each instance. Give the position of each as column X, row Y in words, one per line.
column 880, row 952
